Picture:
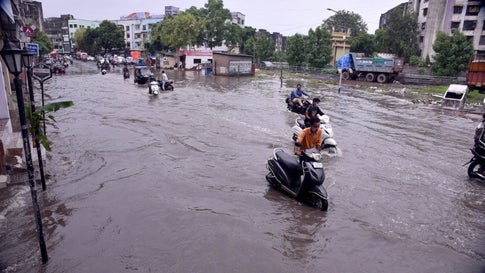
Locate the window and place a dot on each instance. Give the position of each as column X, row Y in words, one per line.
column 425, row 11
column 472, row 10
column 127, row 28
column 457, row 9
column 197, row 61
column 144, row 27
column 469, row 25
column 469, row 38
column 421, row 39
column 483, row 27
column 455, row 25
column 128, row 35
column 423, row 26
column 482, row 40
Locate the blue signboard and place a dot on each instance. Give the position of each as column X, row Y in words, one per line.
column 32, row 48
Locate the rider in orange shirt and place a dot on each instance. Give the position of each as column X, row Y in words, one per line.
column 310, row 137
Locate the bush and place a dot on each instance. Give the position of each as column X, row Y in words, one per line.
column 414, row 60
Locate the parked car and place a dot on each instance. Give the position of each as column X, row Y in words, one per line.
column 266, row 65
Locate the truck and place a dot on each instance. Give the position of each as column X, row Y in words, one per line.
column 475, row 75
column 356, row 65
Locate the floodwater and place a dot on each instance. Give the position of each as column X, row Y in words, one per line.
column 176, row 183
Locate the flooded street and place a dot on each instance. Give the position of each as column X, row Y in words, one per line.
column 176, row 183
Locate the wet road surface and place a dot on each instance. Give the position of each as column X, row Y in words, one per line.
column 175, row 183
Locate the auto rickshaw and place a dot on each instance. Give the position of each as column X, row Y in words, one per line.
column 142, row 74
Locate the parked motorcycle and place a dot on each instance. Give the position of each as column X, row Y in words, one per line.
column 302, row 179
column 328, row 142
column 296, row 107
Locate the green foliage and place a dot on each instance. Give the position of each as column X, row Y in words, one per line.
column 400, row 35
column 318, row 47
column 414, row 60
column 39, row 116
column 295, row 50
column 178, row 31
column 344, row 20
column 217, row 20
column 41, row 38
column 246, row 34
column 452, row 54
column 265, row 48
column 363, row 43
column 109, row 36
column 421, row 71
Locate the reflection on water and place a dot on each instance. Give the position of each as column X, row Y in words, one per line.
column 175, row 182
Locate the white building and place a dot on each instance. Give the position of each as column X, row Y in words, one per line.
column 76, row 24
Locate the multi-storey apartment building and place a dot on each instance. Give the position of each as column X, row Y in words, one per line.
column 56, row 29
column 447, row 16
column 137, row 28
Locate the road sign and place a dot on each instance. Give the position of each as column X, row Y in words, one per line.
column 29, row 31
column 32, row 48
column 42, row 72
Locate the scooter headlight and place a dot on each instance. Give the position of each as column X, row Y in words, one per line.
column 316, row 156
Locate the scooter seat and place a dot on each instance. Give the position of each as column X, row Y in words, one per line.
column 289, row 163
column 301, row 122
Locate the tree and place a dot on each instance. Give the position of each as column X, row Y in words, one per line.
column 295, row 50
column 452, row 54
column 401, row 34
column 78, row 38
column 41, row 38
column 344, row 20
column 110, row 36
column 318, row 47
column 217, row 19
column 265, row 48
column 90, row 41
column 363, row 43
column 178, row 31
column 246, row 34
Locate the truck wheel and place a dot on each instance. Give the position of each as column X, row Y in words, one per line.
column 345, row 75
column 370, row 77
column 381, row 78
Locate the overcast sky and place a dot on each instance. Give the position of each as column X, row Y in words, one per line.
column 283, row 16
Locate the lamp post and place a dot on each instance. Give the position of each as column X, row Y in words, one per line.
column 13, row 59
column 28, row 60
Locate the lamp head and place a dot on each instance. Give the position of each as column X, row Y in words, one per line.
column 12, row 56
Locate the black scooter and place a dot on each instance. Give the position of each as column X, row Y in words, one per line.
column 296, row 107
column 302, row 179
column 477, row 163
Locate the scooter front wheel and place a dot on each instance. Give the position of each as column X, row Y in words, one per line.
column 474, row 168
column 322, row 204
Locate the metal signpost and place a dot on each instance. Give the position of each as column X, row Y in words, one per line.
column 42, row 72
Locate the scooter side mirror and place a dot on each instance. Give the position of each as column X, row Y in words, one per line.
column 298, row 144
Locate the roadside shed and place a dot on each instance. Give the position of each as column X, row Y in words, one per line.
column 232, row 64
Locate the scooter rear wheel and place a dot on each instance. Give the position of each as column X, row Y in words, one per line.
column 271, row 180
column 475, row 166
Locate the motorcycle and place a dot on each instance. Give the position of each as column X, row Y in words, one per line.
column 126, row 73
column 156, row 85
column 477, row 162
column 302, row 179
column 328, row 142
column 296, row 107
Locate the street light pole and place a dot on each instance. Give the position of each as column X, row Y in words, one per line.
column 13, row 59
